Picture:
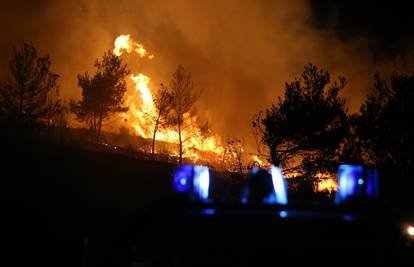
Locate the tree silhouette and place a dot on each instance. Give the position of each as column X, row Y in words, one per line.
column 102, row 94
column 383, row 127
column 384, row 121
column 184, row 96
column 302, row 132
column 31, row 91
column 162, row 102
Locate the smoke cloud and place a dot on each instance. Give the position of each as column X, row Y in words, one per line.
column 240, row 52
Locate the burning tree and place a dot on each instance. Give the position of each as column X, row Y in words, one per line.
column 102, row 94
column 232, row 158
column 303, row 131
column 184, row 97
column 153, row 117
column 31, row 91
column 162, row 104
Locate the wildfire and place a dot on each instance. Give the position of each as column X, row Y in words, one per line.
column 142, row 112
column 124, row 43
column 326, row 183
column 260, row 162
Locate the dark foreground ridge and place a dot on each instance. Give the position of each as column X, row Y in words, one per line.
column 86, row 208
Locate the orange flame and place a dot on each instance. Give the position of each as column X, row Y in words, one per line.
column 326, row 183
column 142, row 112
column 124, row 43
column 261, row 162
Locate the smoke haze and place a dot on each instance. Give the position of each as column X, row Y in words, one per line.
column 240, row 52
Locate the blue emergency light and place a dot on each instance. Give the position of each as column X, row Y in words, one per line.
column 192, row 180
column 279, row 188
column 356, row 182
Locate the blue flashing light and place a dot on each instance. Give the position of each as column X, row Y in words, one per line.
column 270, row 199
column 243, row 200
column 201, row 181
column 254, row 170
column 194, row 180
column 349, row 218
column 283, row 214
column 355, row 181
column 208, row 211
column 279, row 194
column 279, row 186
column 182, row 177
column 347, row 181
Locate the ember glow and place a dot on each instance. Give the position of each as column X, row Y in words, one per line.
column 326, row 183
column 142, row 112
column 261, row 162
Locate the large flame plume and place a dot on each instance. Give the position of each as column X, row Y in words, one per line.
column 142, row 111
column 125, row 43
column 142, row 115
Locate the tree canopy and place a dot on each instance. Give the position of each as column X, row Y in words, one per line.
column 303, row 131
column 384, row 122
column 162, row 102
column 384, row 130
column 184, row 96
column 31, row 91
column 102, row 94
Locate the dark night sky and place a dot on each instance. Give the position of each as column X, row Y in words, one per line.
column 388, row 25
column 240, row 52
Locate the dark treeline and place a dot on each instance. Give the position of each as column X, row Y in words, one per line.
column 308, row 131
column 30, row 99
column 30, row 93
